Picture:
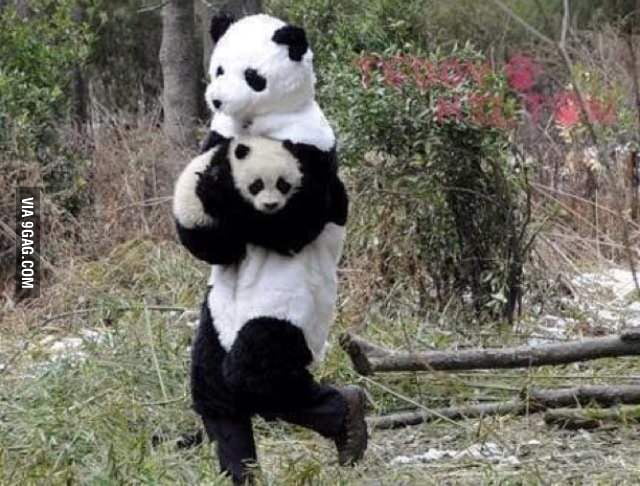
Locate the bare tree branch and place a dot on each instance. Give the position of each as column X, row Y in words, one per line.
column 591, row 418
column 383, row 360
column 536, row 400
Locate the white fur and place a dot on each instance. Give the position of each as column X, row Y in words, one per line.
column 300, row 289
column 286, row 108
column 268, row 161
column 187, row 208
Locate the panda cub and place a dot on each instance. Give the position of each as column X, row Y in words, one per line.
column 277, row 195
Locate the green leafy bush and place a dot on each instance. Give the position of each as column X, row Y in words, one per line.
column 36, row 57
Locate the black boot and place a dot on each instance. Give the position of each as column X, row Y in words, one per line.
column 351, row 442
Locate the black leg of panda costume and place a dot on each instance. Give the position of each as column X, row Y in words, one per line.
column 264, row 373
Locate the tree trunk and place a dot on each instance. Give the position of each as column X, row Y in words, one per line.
column 79, row 89
column 179, row 61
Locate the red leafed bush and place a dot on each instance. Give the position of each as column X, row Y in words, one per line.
column 459, row 90
column 444, row 124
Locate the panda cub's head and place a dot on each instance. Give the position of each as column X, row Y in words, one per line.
column 260, row 65
column 264, row 172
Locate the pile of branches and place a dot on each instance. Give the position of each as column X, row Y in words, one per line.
column 559, row 405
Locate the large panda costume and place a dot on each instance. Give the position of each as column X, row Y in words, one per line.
column 266, row 318
column 263, row 204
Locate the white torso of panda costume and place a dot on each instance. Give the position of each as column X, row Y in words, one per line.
column 262, row 82
column 302, row 288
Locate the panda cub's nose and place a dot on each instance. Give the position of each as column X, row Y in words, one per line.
column 217, row 104
column 270, row 206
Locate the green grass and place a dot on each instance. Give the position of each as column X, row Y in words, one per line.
column 91, row 419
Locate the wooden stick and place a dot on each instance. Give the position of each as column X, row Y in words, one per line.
column 536, row 400
column 396, row 420
column 591, row 418
column 368, row 358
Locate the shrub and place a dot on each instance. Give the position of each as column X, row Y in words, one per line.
column 36, row 56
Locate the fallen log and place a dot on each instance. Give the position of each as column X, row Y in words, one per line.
column 531, row 401
column 405, row 419
column 368, row 358
column 591, row 418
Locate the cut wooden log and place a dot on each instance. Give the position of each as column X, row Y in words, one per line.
column 591, row 418
column 532, row 401
column 404, row 419
column 368, row 358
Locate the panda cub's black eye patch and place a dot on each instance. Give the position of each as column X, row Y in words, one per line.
column 219, row 71
column 283, row 186
column 257, row 82
column 256, row 186
column 242, row 151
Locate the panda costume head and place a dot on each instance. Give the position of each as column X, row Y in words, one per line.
column 262, row 83
column 260, row 65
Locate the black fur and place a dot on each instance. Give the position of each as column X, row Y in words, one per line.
column 219, row 25
column 242, row 151
column 264, row 371
column 213, row 139
column 211, row 395
column 212, row 244
column 267, row 364
column 222, row 242
column 293, row 37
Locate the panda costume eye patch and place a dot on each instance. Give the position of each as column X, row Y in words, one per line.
column 219, row 71
column 257, row 82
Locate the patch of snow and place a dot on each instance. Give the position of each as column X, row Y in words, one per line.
column 65, row 345
column 551, row 329
column 429, row 456
column 618, row 281
column 485, row 452
column 70, row 347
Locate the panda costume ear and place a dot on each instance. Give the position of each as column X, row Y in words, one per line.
column 219, row 25
column 293, row 37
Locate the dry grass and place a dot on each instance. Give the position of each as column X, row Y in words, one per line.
column 89, row 418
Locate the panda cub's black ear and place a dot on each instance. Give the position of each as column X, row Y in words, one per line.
column 219, row 25
column 242, row 151
column 293, row 37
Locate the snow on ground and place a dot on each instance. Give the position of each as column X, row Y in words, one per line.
column 489, row 452
column 603, row 304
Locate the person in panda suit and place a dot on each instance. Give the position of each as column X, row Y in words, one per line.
column 269, row 216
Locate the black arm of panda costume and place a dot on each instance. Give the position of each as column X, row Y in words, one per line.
column 323, row 166
column 204, row 228
column 212, row 139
